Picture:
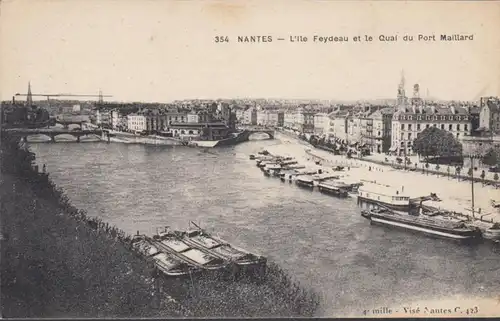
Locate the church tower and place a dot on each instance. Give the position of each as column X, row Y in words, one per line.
column 401, row 100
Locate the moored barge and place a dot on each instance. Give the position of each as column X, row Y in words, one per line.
column 332, row 189
column 169, row 242
column 448, row 229
column 385, row 196
column 164, row 262
column 306, row 182
column 246, row 263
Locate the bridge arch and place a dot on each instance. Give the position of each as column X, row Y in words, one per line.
column 269, row 133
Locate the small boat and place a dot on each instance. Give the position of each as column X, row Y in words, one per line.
column 492, row 233
column 165, row 263
column 448, row 229
column 169, row 242
column 294, row 166
column 246, row 262
column 264, row 163
column 288, row 162
column 386, row 196
column 307, row 182
column 332, row 189
column 252, row 157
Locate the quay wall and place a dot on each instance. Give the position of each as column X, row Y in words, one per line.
column 57, row 261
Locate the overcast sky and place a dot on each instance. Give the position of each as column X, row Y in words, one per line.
column 165, row 50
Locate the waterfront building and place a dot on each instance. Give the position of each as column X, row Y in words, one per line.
column 208, row 131
column 281, row 119
column 261, row 117
column 353, row 126
column 192, row 117
column 104, row 118
column 250, row 116
column 478, row 145
column 338, row 124
column 382, row 129
column 267, row 117
column 321, row 124
column 136, row 122
column 366, row 128
column 489, row 117
column 290, row 119
column 306, row 122
column 409, row 121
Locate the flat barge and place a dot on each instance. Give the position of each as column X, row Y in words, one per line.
column 441, row 228
column 245, row 263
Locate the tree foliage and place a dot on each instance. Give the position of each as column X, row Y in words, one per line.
column 433, row 141
column 492, row 157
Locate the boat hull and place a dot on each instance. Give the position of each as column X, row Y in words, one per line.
column 462, row 235
column 248, row 265
column 333, row 191
column 491, row 234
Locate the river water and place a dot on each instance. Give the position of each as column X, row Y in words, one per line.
column 321, row 240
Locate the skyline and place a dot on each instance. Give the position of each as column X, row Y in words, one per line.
column 160, row 51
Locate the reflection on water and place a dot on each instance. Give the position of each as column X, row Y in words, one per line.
column 323, row 240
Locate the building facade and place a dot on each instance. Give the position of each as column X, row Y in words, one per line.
column 489, row 116
column 409, row 121
column 136, row 122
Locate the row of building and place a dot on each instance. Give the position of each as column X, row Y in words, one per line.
column 219, row 119
column 384, row 129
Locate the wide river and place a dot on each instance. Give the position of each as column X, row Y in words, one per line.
column 321, row 240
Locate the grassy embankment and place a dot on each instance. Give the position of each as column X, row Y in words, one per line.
column 56, row 261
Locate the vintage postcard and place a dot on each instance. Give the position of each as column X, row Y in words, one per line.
column 250, row 159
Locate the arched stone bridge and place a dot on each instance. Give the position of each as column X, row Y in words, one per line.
column 66, row 123
column 250, row 130
column 23, row 133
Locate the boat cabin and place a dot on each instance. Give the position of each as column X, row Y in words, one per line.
column 384, row 195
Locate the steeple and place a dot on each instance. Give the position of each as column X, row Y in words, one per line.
column 101, row 98
column 401, row 100
column 29, row 98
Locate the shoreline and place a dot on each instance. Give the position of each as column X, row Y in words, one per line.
column 71, row 246
column 455, row 195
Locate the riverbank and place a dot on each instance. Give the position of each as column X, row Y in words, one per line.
column 455, row 195
column 57, row 261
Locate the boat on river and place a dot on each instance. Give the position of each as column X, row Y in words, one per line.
column 492, row 233
column 445, row 228
column 169, row 242
column 305, row 181
column 332, row 188
column 247, row 263
column 164, row 262
column 384, row 195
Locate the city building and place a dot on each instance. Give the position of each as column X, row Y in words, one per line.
column 476, row 146
column 281, row 119
column 209, row 131
column 337, row 128
column 489, row 116
column 321, row 124
column 136, row 122
column 382, row 129
column 409, row 121
column 306, row 122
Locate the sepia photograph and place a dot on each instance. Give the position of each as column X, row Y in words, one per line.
column 249, row 159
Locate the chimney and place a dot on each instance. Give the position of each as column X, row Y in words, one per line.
column 452, row 108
